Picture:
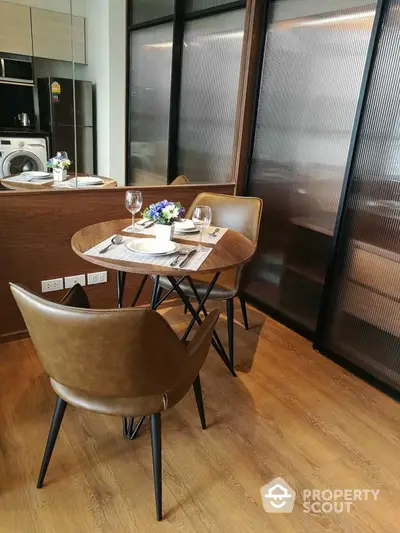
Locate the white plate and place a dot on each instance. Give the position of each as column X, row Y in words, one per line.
column 184, row 232
column 36, row 174
column 152, row 247
column 84, row 181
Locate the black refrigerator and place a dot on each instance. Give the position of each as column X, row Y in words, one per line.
column 56, row 111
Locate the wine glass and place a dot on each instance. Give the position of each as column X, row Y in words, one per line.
column 201, row 218
column 133, row 203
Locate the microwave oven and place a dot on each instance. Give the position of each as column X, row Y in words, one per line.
column 16, row 70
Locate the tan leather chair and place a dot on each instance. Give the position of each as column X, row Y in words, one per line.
column 180, row 180
column 123, row 362
column 242, row 214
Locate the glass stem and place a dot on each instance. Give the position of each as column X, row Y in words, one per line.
column 201, row 238
column 133, row 221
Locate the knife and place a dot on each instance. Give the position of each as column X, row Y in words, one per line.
column 189, row 255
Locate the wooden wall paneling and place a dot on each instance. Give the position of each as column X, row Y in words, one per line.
column 252, row 46
column 35, row 241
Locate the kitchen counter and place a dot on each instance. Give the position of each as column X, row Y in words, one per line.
column 48, row 186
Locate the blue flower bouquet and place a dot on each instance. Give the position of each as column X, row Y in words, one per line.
column 164, row 212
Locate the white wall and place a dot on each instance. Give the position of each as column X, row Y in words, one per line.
column 98, row 72
column 117, row 89
column 106, row 53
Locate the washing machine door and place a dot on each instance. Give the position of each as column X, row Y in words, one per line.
column 21, row 161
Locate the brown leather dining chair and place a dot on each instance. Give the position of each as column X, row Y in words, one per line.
column 180, row 180
column 122, row 362
column 239, row 213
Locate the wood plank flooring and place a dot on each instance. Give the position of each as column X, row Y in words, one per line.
column 290, row 413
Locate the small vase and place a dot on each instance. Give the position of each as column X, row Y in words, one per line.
column 59, row 174
column 164, row 232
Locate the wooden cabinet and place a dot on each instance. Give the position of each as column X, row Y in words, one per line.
column 15, row 29
column 51, row 35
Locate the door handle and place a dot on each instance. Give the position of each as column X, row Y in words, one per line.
column 3, row 67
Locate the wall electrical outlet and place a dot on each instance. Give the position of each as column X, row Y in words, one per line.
column 97, row 277
column 70, row 281
column 50, row 285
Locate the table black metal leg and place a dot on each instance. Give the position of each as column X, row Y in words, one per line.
column 196, row 294
column 201, row 305
column 169, row 291
column 139, row 291
column 196, row 318
column 159, row 294
column 153, row 304
column 130, row 431
column 120, row 287
column 203, row 308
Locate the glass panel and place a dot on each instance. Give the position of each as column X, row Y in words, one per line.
column 311, row 79
column 210, row 76
column 149, row 98
column 365, row 323
column 144, row 10
column 197, row 5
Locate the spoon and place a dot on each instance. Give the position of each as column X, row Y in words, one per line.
column 117, row 239
column 214, row 233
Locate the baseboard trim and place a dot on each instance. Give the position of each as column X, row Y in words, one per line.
column 15, row 336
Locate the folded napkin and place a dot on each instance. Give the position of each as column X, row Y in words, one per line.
column 184, row 225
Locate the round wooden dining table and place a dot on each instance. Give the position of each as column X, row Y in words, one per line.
column 231, row 251
column 48, row 186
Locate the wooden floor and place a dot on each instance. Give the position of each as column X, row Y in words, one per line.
column 290, row 413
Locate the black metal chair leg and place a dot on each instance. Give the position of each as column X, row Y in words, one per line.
column 229, row 316
column 185, row 309
column 244, row 312
column 155, row 431
column 199, row 401
column 51, row 439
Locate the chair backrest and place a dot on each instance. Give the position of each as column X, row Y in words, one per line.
column 111, row 352
column 180, row 180
column 240, row 213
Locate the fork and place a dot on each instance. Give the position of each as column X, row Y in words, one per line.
column 176, row 260
column 214, row 233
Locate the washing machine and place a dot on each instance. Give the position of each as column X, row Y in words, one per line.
column 22, row 154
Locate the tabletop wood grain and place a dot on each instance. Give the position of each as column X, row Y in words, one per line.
column 231, row 251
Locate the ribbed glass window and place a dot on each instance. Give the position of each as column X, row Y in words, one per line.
column 365, row 322
column 312, row 72
column 149, row 99
column 209, row 92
